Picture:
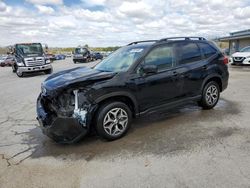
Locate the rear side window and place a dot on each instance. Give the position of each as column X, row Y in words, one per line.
column 188, row 53
column 207, row 50
column 162, row 57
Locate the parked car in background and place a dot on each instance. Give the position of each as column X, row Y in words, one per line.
column 96, row 56
column 60, row 56
column 225, row 51
column 241, row 58
column 50, row 57
column 135, row 80
column 105, row 54
column 7, row 61
column 68, row 54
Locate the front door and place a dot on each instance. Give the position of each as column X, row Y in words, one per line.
column 159, row 88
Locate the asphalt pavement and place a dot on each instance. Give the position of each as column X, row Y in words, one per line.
column 183, row 147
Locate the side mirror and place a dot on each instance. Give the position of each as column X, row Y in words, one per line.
column 149, row 69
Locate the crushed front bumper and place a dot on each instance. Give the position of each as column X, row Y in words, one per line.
column 61, row 129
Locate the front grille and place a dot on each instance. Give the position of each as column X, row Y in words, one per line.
column 34, row 61
column 238, row 59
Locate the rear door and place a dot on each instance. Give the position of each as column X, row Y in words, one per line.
column 193, row 66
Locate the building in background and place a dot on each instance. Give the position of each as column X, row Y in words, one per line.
column 237, row 40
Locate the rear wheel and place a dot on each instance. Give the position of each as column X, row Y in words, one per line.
column 113, row 120
column 210, row 95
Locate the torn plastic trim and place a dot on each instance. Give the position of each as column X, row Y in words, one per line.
column 79, row 113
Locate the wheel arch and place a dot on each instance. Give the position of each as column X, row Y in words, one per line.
column 214, row 77
column 124, row 97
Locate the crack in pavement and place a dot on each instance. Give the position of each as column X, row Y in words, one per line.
column 2, row 122
column 15, row 155
column 19, row 133
column 17, row 121
column 6, row 159
column 5, row 145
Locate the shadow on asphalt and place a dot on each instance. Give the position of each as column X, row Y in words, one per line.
column 184, row 129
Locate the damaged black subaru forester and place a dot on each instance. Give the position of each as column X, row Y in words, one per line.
column 142, row 77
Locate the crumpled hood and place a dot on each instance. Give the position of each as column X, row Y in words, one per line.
column 82, row 75
column 241, row 54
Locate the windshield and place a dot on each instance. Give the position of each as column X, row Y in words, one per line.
column 247, row 49
column 80, row 50
column 121, row 59
column 28, row 49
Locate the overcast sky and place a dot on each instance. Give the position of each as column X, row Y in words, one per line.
column 113, row 22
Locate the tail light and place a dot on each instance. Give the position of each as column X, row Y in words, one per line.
column 225, row 60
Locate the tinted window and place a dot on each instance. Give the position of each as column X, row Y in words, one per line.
column 162, row 57
column 188, row 53
column 207, row 50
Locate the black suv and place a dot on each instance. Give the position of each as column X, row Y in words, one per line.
column 139, row 78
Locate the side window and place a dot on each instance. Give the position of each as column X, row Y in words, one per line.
column 162, row 57
column 188, row 53
column 207, row 50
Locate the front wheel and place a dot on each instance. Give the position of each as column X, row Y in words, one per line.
column 113, row 120
column 13, row 68
column 210, row 95
column 18, row 72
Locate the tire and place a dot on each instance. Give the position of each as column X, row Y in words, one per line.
column 49, row 71
column 210, row 95
column 108, row 124
column 13, row 69
column 74, row 62
column 18, row 73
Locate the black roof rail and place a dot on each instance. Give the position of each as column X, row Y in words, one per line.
column 185, row 38
column 136, row 42
column 166, row 39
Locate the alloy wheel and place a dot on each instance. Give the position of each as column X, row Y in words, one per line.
column 212, row 95
column 115, row 121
